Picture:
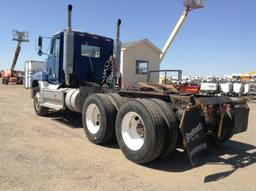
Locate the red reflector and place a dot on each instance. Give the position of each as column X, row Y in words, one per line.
column 210, row 109
column 225, row 108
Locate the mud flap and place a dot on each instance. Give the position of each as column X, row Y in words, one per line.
column 241, row 119
column 194, row 132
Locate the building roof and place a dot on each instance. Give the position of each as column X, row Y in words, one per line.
column 131, row 44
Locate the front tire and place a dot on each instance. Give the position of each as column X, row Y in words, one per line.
column 40, row 110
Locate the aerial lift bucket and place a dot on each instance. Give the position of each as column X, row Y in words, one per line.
column 193, row 4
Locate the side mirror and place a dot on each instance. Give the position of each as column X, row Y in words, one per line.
column 40, row 52
column 40, row 45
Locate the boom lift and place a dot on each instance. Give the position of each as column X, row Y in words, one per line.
column 189, row 6
column 12, row 76
column 82, row 75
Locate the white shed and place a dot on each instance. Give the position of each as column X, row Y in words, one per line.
column 137, row 59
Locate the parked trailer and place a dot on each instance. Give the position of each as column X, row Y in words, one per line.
column 246, row 89
column 209, row 88
column 226, row 88
column 238, row 89
column 31, row 67
column 252, row 91
column 82, row 75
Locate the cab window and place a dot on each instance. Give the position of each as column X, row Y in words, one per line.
column 55, row 48
column 90, row 51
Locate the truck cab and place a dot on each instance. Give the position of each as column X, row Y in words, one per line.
column 87, row 59
column 75, row 59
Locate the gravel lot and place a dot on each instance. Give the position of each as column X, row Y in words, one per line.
column 53, row 153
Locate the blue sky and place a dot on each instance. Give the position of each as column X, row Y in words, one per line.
column 216, row 40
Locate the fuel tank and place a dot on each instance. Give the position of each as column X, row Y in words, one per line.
column 72, row 100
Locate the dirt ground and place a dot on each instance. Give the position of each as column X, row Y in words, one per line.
column 53, row 153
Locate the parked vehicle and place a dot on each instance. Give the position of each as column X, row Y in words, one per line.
column 226, row 88
column 252, row 91
column 246, row 89
column 189, row 88
column 209, row 88
column 238, row 89
column 30, row 68
column 82, row 75
column 12, row 76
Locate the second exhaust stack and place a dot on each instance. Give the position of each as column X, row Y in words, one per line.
column 68, row 51
column 69, row 28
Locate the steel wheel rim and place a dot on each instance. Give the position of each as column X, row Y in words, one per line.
column 93, row 118
column 133, row 131
column 37, row 100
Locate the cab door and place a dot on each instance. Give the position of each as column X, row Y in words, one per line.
column 54, row 61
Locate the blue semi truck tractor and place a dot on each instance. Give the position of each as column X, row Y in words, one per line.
column 83, row 75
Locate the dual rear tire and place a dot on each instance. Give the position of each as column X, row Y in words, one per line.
column 140, row 131
column 145, row 129
column 98, row 116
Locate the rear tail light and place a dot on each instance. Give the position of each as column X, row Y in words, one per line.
column 225, row 108
column 210, row 109
column 241, row 104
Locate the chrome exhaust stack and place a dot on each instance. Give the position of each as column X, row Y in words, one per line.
column 117, row 53
column 69, row 27
column 68, row 52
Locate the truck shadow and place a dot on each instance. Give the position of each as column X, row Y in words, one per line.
column 177, row 162
column 237, row 155
column 74, row 121
column 70, row 119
